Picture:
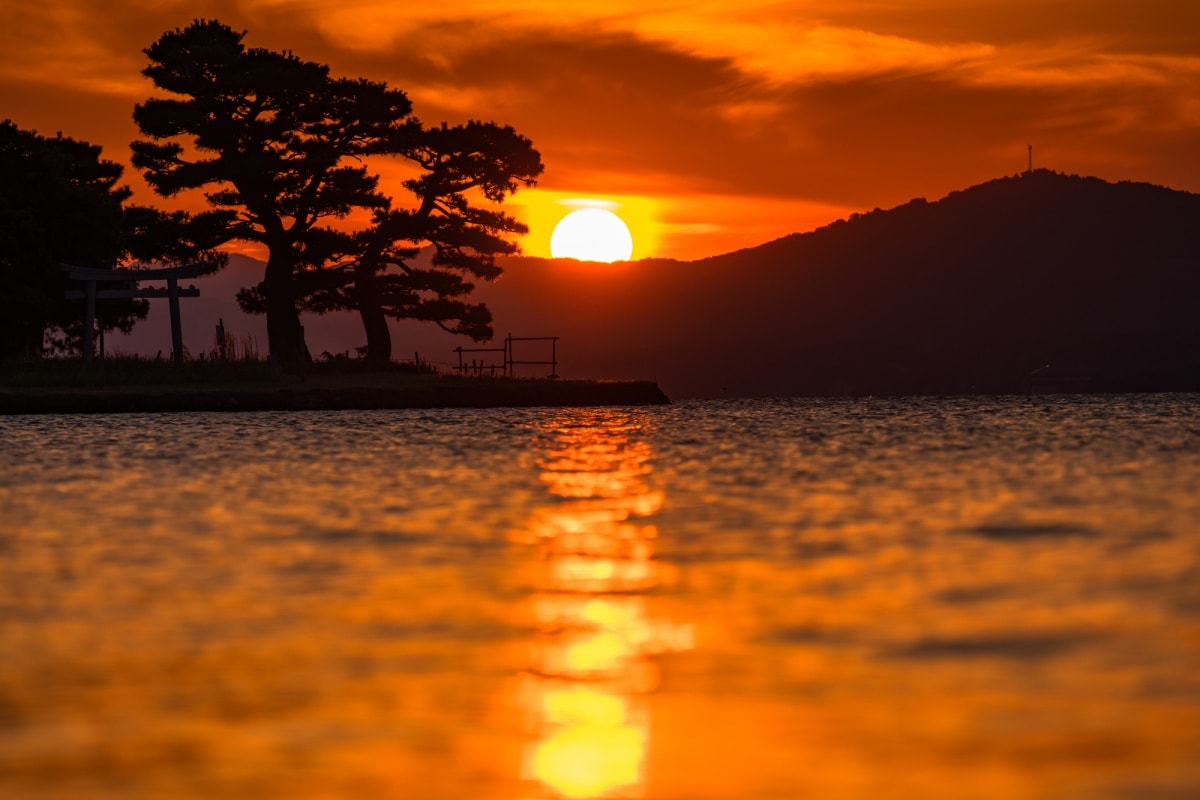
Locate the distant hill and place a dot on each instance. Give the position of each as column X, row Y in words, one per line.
column 967, row 294
column 970, row 293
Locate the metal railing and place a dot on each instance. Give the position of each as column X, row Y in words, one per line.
column 508, row 362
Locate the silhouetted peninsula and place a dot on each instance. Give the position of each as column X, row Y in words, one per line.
column 318, row 392
column 971, row 293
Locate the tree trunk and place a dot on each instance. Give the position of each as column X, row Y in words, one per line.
column 285, row 336
column 379, row 336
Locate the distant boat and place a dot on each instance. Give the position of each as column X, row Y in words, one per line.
column 1063, row 380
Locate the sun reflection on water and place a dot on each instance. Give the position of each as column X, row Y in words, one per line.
column 591, row 666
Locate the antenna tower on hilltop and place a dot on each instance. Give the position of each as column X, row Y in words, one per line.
column 1030, row 159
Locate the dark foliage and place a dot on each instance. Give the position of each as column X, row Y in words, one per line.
column 385, row 277
column 274, row 140
column 60, row 202
column 280, row 144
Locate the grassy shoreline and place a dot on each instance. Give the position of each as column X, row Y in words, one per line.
column 148, row 386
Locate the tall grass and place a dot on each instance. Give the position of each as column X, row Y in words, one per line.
column 133, row 369
column 240, row 363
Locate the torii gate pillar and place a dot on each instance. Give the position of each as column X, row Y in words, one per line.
column 176, row 324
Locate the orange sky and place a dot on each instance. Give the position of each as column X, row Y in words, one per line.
column 712, row 125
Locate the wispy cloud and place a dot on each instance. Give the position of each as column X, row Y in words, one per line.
column 779, row 42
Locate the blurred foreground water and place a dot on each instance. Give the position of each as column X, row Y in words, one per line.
column 938, row 598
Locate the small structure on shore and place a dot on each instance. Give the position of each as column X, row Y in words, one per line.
column 478, row 366
column 94, row 275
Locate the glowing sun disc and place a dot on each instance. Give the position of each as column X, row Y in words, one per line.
column 591, row 234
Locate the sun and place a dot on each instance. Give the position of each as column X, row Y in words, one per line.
column 592, row 234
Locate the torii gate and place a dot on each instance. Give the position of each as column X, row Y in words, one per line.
column 170, row 274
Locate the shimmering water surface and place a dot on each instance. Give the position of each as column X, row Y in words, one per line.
column 958, row 598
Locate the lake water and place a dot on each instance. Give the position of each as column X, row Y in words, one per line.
column 939, row 598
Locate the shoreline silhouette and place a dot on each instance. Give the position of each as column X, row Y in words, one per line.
column 323, row 392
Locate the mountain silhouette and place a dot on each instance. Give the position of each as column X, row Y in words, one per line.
column 971, row 293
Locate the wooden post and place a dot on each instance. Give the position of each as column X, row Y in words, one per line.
column 89, row 322
column 176, row 324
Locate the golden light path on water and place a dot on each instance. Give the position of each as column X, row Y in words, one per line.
column 590, row 664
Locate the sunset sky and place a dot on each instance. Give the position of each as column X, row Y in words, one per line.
column 707, row 126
